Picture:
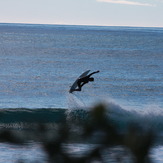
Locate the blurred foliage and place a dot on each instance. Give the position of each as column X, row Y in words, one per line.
column 96, row 129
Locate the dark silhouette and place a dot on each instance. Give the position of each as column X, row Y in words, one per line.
column 82, row 81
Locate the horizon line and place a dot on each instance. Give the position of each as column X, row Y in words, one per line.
column 98, row 25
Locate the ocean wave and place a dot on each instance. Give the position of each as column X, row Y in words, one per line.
column 151, row 118
column 25, row 115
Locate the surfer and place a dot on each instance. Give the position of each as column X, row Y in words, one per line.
column 82, row 81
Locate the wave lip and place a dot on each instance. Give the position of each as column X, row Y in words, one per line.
column 147, row 118
column 24, row 115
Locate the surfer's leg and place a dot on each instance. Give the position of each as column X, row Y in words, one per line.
column 83, row 83
column 79, row 89
column 79, row 86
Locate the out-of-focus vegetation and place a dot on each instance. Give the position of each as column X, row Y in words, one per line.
column 95, row 129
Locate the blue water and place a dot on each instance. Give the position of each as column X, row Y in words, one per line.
column 39, row 63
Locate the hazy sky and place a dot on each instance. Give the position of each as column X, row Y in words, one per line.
column 83, row 12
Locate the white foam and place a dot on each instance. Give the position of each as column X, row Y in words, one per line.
column 75, row 102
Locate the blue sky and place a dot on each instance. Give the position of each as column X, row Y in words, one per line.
column 146, row 13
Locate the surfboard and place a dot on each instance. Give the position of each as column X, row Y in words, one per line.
column 74, row 85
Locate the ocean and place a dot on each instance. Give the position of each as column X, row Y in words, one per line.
column 39, row 63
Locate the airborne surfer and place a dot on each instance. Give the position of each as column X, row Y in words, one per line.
column 84, row 80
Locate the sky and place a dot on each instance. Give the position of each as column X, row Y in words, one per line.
column 142, row 13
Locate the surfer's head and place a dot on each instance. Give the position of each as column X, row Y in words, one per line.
column 91, row 79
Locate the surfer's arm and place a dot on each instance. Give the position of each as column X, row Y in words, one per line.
column 93, row 73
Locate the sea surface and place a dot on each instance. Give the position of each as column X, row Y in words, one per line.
column 39, row 63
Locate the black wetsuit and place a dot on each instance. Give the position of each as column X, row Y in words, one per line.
column 84, row 80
